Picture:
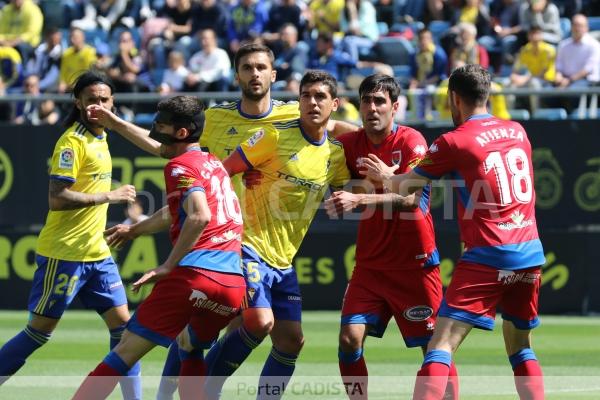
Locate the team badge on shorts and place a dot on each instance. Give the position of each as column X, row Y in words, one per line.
column 65, row 159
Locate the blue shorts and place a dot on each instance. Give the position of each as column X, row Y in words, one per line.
column 57, row 282
column 268, row 287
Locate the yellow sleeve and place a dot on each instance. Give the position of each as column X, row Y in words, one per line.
column 67, row 158
column 64, row 70
column 341, row 174
column 260, row 147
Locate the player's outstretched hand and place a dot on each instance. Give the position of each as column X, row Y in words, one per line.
column 151, row 276
column 117, row 235
column 341, row 202
column 101, row 116
column 251, row 178
column 375, row 169
column 124, row 194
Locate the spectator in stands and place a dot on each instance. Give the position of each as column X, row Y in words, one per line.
column 578, row 57
column 474, row 12
column 504, row 28
column 211, row 14
column 385, row 12
column 21, row 24
column 248, row 21
column 45, row 62
column 35, row 112
column 326, row 57
column 467, row 50
column 175, row 76
column 174, row 27
column 325, row 15
column 291, row 56
column 535, row 65
column 210, row 68
column 359, row 24
column 100, row 14
column 75, row 60
column 540, row 13
column 282, row 13
column 104, row 57
column 428, row 67
column 11, row 67
column 126, row 65
column 429, row 64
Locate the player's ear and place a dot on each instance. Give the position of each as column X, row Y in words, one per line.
column 78, row 104
column 395, row 106
column 273, row 75
column 182, row 133
column 336, row 104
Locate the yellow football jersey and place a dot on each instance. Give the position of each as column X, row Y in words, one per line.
column 226, row 126
column 82, row 158
column 296, row 173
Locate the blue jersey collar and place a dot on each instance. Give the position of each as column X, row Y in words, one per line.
column 251, row 116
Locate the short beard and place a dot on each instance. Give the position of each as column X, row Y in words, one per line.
column 250, row 95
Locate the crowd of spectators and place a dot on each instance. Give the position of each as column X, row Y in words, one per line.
column 167, row 46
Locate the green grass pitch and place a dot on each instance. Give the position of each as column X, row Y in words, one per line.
column 568, row 348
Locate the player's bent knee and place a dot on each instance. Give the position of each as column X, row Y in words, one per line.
column 43, row 324
column 260, row 327
column 291, row 344
column 349, row 342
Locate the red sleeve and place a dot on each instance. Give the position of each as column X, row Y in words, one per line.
column 439, row 160
column 414, row 149
column 182, row 179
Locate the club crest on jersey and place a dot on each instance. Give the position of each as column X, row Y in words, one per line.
column 396, row 157
column 256, row 138
column 65, row 159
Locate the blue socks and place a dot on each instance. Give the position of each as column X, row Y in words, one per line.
column 14, row 353
column 276, row 374
column 131, row 385
column 170, row 374
column 232, row 351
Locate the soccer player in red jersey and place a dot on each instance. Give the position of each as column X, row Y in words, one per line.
column 500, row 266
column 389, row 279
column 201, row 284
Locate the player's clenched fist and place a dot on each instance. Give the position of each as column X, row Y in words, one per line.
column 124, row 194
column 100, row 115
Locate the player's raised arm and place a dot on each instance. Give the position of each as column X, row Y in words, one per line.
column 135, row 134
column 61, row 197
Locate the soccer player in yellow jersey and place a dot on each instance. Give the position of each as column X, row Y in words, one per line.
column 298, row 162
column 72, row 256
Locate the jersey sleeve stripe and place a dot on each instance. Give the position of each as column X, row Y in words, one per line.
column 248, row 163
column 62, row 178
column 190, row 191
column 425, row 174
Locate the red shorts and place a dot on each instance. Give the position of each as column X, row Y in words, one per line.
column 476, row 290
column 411, row 296
column 206, row 300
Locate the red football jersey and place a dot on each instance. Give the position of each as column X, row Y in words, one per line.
column 490, row 162
column 219, row 246
column 392, row 239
